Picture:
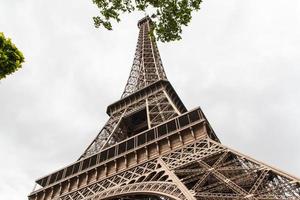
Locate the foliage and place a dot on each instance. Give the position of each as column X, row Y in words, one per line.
column 168, row 15
column 10, row 57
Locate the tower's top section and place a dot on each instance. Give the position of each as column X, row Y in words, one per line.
column 147, row 67
column 143, row 21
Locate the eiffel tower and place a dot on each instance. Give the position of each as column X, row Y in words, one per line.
column 153, row 148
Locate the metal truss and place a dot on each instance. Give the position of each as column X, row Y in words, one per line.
column 147, row 66
column 149, row 178
column 212, row 171
column 159, row 108
column 104, row 135
column 147, row 69
column 152, row 148
column 204, row 169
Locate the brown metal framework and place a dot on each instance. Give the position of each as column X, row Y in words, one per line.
column 147, row 66
column 153, row 148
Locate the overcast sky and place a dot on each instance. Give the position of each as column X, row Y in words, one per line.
column 238, row 60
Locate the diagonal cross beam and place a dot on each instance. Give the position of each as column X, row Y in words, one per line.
column 224, row 179
column 204, row 177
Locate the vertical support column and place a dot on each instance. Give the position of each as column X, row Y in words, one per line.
column 44, row 195
column 86, row 178
column 77, row 182
column 51, row 192
column 148, row 113
column 59, row 192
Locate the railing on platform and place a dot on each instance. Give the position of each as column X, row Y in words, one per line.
column 151, row 135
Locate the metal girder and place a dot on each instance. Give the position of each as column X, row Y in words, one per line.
column 203, row 158
column 255, row 180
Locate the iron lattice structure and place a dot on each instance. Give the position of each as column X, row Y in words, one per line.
column 152, row 147
column 147, row 66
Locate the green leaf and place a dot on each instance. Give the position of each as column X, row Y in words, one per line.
column 11, row 58
column 168, row 15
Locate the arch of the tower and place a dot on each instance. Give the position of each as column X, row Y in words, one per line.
column 155, row 190
column 141, row 197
